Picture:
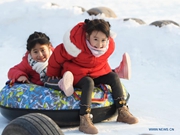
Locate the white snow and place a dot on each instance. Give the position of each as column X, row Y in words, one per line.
column 154, row 52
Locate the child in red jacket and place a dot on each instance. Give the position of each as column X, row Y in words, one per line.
column 82, row 62
column 32, row 68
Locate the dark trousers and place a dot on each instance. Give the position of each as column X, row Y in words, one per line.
column 86, row 84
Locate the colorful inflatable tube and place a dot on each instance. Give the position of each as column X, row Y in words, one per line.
column 21, row 99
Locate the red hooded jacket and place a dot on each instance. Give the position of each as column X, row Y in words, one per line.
column 24, row 69
column 74, row 55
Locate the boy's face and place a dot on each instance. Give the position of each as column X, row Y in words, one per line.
column 97, row 39
column 40, row 53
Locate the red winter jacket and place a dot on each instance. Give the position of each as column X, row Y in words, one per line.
column 74, row 55
column 24, row 69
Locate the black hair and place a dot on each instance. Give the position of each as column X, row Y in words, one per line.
column 37, row 37
column 97, row 25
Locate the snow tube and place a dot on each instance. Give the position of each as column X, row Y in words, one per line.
column 21, row 99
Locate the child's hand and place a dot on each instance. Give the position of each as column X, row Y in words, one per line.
column 23, row 79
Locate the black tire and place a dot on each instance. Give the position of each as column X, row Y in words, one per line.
column 32, row 124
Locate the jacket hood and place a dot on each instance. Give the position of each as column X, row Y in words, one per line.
column 74, row 38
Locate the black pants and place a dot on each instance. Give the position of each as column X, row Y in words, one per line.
column 86, row 84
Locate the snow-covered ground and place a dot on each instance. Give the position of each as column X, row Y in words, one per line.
column 154, row 52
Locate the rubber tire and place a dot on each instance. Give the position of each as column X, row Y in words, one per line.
column 32, row 124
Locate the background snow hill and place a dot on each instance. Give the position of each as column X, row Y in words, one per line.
column 154, row 86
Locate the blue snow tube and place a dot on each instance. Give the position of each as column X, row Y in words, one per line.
column 21, row 99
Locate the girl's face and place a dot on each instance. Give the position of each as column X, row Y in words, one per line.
column 40, row 53
column 97, row 39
